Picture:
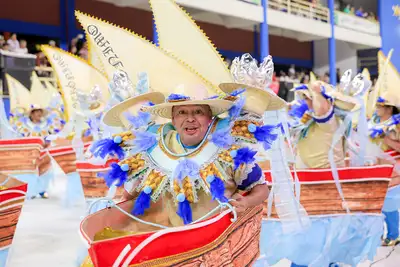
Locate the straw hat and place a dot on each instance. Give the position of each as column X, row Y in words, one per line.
column 341, row 100
column 116, row 115
column 181, row 97
column 253, row 78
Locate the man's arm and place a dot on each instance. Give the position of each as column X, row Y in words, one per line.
column 392, row 143
column 320, row 104
column 257, row 196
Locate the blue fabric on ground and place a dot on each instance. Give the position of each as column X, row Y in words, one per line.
column 74, row 193
column 347, row 239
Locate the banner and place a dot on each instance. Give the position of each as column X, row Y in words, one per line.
column 74, row 74
column 389, row 15
column 353, row 22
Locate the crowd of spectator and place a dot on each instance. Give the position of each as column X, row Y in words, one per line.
column 348, row 9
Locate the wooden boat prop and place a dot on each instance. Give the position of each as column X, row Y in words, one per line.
column 364, row 189
column 20, row 156
column 64, row 154
column 93, row 186
column 216, row 241
column 12, row 197
column 395, row 181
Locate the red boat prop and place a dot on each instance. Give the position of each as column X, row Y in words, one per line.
column 12, row 197
column 93, row 186
column 20, row 156
column 64, row 154
column 216, row 241
column 364, row 189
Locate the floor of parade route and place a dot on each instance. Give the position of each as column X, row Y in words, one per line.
column 47, row 235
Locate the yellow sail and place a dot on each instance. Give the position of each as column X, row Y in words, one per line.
column 74, row 73
column 120, row 49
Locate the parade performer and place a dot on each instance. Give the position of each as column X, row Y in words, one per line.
column 35, row 113
column 384, row 130
column 85, row 95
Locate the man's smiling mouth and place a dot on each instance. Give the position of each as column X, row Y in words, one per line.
column 191, row 130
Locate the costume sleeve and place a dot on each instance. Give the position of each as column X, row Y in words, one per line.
column 327, row 121
column 248, row 176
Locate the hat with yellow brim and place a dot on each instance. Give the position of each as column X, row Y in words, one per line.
column 164, row 110
column 257, row 100
column 115, row 116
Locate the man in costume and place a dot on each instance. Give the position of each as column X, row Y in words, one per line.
column 384, row 131
column 193, row 124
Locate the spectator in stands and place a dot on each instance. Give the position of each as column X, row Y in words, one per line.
column 338, row 76
column 292, row 71
column 52, row 43
column 84, row 52
column 13, row 43
column 347, row 9
column 325, row 78
column 5, row 47
column 23, row 49
column 305, row 79
column 2, row 41
column 360, row 12
column 72, row 46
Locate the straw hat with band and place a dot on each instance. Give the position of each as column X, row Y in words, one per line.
column 253, row 78
column 164, row 110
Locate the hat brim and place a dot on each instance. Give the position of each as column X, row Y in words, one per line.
column 112, row 116
column 274, row 101
column 95, row 111
column 217, row 106
column 44, row 111
column 344, row 102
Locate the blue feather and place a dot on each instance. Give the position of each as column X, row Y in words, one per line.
column 222, row 138
column 116, row 174
column 142, row 119
column 185, row 211
column 396, row 119
column 297, row 110
column 104, row 147
column 142, row 203
column 265, row 134
column 301, row 87
column 186, row 168
column 143, row 141
column 238, row 92
column 381, row 100
column 236, row 109
column 243, row 156
column 172, row 97
column 217, row 188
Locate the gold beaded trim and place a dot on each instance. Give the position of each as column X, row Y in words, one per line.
column 154, row 179
column 136, row 163
column 240, row 129
column 306, row 117
column 187, row 189
column 225, row 155
column 126, row 136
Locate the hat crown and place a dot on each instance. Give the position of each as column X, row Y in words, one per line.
column 245, row 70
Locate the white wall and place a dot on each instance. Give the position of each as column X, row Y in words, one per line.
column 346, row 57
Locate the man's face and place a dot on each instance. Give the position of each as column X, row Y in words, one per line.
column 14, row 37
column 36, row 115
column 191, row 122
column 383, row 111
